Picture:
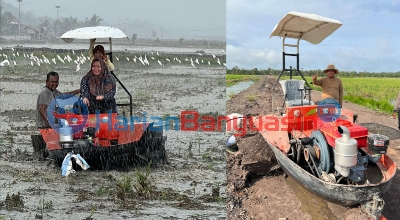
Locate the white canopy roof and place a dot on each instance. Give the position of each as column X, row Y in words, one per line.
column 93, row 32
column 309, row 27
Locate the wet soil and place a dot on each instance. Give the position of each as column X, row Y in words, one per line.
column 268, row 193
column 191, row 185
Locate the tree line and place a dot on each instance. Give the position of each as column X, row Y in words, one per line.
column 47, row 24
column 269, row 71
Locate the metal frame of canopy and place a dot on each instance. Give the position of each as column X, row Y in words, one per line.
column 301, row 26
column 100, row 32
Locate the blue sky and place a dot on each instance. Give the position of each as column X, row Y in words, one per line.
column 368, row 40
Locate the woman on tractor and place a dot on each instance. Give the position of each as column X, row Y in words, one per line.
column 98, row 88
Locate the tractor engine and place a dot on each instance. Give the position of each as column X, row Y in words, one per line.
column 351, row 162
column 342, row 150
column 345, row 152
column 378, row 145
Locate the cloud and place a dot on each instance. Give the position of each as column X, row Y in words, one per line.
column 251, row 58
column 367, row 40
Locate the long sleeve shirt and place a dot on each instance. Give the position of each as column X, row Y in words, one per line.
column 107, row 62
column 85, row 90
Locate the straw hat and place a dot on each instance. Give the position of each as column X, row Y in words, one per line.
column 331, row 67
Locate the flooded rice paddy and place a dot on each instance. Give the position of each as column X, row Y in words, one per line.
column 190, row 186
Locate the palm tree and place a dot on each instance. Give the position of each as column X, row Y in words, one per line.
column 5, row 22
column 45, row 24
column 45, row 27
column 68, row 24
column 134, row 36
column 93, row 21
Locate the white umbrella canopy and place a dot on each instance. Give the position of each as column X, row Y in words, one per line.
column 93, row 32
column 309, row 27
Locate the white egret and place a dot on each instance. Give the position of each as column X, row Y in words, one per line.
column 141, row 60
column 4, row 63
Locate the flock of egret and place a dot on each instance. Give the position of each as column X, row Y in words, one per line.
column 14, row 58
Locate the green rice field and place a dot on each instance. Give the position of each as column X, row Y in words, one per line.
column 378, row 94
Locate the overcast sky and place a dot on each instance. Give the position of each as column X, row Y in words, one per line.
column 368, row 40
column 171, row 14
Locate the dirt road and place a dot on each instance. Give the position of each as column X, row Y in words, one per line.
column 266, row 193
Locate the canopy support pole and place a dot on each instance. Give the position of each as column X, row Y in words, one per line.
column 297, row 69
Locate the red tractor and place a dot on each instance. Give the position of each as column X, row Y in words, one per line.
column 321, row 146
column 104, row 141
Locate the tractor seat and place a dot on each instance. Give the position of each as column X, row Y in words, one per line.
column 292, row 94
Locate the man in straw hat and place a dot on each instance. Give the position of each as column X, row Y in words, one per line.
column 332, row 86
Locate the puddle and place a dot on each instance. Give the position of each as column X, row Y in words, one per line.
column 235, row 89
column 315, row 206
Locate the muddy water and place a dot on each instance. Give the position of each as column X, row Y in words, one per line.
column 196, row 160
column 313, row 205
column 235, row 89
